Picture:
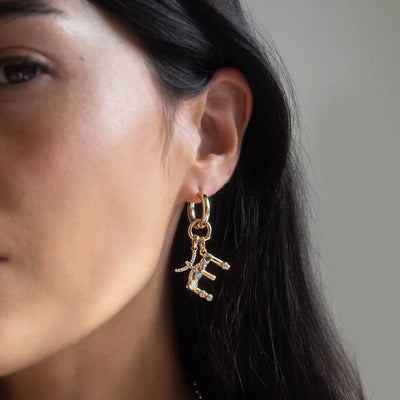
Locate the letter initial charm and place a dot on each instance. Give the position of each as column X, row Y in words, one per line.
column 198, row 270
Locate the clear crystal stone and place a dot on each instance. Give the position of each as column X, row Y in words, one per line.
column 193, row 285
column 225, row 265
column 209, row 297
column 203, row 293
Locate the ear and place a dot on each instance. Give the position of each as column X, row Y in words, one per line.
column 219, row 116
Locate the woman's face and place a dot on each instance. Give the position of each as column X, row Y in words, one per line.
column 86, row 197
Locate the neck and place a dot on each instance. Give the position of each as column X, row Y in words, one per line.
column 134, row 355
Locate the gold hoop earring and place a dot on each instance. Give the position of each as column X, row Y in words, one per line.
column 199, row 270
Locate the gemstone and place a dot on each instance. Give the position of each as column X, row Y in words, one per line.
column 209, row 297
column 198, row 275
column 203, row 293
column 193, row 285
column 207, row 259
column 225, row 265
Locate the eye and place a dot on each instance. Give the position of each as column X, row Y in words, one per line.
column 15, row 71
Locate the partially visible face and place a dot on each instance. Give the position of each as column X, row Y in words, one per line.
column 85, row 196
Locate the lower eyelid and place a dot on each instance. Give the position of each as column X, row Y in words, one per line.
column 30, row 91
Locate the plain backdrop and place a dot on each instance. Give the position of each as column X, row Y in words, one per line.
column 344, row 60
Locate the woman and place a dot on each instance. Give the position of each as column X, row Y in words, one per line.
column 113, row 116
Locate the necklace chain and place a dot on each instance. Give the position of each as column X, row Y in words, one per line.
column 197, row 391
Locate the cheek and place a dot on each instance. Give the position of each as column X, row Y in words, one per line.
column 83, row 206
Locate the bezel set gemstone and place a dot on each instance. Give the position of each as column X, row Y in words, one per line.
column 193, row 285
column 225, row 265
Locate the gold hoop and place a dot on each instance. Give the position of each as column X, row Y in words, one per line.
column 206, row 212
column 194, row 224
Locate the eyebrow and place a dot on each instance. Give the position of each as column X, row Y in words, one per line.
column 11, row 10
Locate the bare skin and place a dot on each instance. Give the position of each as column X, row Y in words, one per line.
column 89, row 204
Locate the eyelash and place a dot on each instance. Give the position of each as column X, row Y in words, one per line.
column 20, row 63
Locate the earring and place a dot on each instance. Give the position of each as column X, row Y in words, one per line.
column 199, row 270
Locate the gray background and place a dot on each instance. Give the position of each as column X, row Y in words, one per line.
column 344, row 59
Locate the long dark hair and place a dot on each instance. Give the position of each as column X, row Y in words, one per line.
column 266, row 334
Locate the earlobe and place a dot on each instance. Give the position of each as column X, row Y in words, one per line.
column 226, row 111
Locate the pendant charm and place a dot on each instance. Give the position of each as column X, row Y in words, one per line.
column 198, row 270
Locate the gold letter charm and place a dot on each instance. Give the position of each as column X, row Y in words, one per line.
column 199, row 270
